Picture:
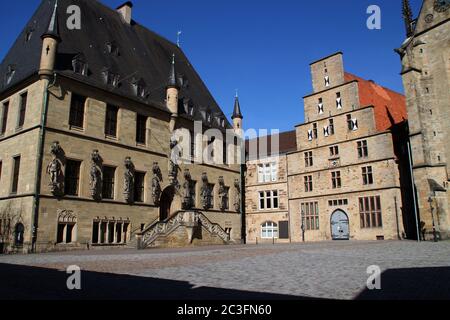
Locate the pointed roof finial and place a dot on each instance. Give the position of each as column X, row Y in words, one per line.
column 408, row 17
column 237, row 114
column 237, row 93
column 53, row 26
column 173, row 74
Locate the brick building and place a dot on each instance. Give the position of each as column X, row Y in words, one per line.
column 425, row 56
column 86, row 143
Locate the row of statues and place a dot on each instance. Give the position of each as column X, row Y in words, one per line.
column 55, row 172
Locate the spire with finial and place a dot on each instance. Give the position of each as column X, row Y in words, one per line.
column 173, row 75
column 53, row 26
column 408, row 17
column 237, row 114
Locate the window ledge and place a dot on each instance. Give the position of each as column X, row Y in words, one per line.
column 75, row 128
column 18, row 129
column 113, row 138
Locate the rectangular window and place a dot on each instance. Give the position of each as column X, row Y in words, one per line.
column 4, row 122
column 331, row 127
column 76, row 117
column 308, row 183
column 111, row 121
column 349, row 122
column 334, row 151
column 139, row 183
column 65, row 233
column 315, row 132
column 72, row 178
column 336, row 179
column 268, row 172
column 309, row 161
column 367, row 174
column 338, row 100
column 310, row 216
column 363, row 150
column 109, row 174
column 16, row 173
column 370, row 212
column 141, row 129
column 22, row 109
column 268, row 200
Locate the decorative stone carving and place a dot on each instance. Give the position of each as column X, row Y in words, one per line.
column 223, row 194
column 174, row 162
column 96, row 175
column 206, row 193
column 187, row 191
column 156, row 183
column 237, row 199
column 54, row 169
column 66, row 216
column 129, row 180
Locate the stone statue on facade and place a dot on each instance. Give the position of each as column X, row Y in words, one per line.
column 205, row 193
column 156, row 183
column 96, row 175
column 237, row 200
column 128, row 180
column 223, row 195
column 174, row 162
column 54, row 170
column 187, row 191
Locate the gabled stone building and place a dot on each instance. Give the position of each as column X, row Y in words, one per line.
column 87, row 149
column 344, row 174
column 425, row 56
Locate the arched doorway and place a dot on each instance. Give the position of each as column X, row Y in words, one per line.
column 340, row 226
column 19, row 232
column 166, row 203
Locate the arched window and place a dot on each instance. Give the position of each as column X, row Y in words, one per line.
column 269, row 230
column 18, row 234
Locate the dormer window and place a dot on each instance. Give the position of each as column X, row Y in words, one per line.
column 139, row 88
column 113, row 48
column 29, row 34
column 191, row 110
column 10, row 74
column 183, row 81
column 110, row 78
column 327, row 81
column 79, row 65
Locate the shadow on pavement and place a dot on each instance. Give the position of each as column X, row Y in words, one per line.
column 412, row 284
column 31, row 283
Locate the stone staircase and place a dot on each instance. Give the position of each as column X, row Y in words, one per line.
column 184, row 228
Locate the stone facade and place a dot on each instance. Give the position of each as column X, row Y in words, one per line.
column 425, row 56
column 44, row 215
column 343, row 178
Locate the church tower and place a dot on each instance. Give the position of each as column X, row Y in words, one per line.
column 425, row 56
column 50, row 41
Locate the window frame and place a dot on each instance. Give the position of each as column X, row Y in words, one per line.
column 141, row 129
column 72, row 178
column 268, row 199
column 111, row 120
column 77, row 111
column 269, row 228
column 22, row 110
column 109, row 194
column 4, row 119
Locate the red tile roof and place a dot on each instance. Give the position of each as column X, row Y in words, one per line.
column 389, row 106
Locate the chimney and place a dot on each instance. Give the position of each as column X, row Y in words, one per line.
column 125, row 11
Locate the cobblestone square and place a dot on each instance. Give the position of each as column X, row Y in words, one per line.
column 329, row 270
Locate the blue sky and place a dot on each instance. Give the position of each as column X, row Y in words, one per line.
column 262, row 47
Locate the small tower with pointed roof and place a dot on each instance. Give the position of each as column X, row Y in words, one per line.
column 173, row 91
column 50, row 41
column 237, row 115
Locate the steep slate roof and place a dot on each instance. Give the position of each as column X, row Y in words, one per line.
column 143, row 56
column 287, row 140
column 389, row 106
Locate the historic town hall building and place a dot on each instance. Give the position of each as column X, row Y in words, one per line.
column 86, row 148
